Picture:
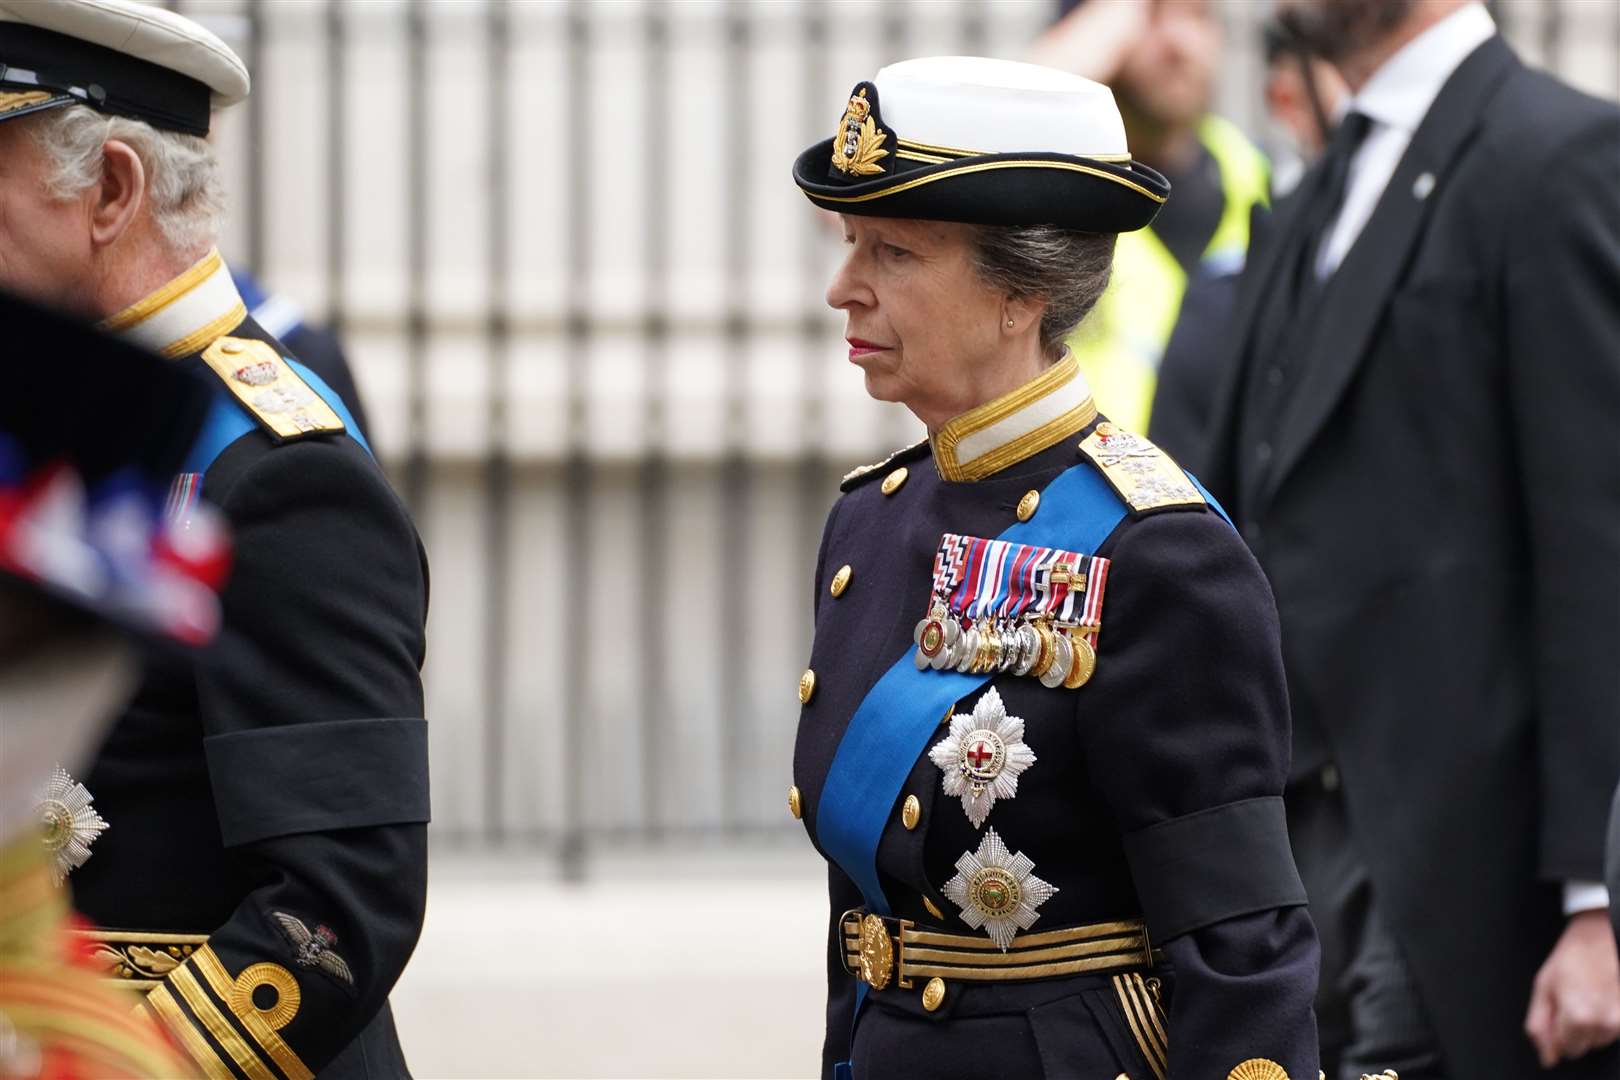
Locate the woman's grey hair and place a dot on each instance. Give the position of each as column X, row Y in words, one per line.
column 1065, row 267
column 183, row 190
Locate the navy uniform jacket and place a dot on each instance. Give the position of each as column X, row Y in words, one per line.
column 1156, row 788
column 267, row 803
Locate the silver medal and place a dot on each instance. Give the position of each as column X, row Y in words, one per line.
column 946, row 656
column 1029, row 649
column 968, row 651
column 1011, row 649
column 1060, row 666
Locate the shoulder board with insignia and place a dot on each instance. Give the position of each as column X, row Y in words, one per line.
column 1142, row 474
column 855, row 477
column 270, row 390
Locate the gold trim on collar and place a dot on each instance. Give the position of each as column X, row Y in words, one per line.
column 1031, row 442
column 986, row 166
column 203, row 336
column 152, row 303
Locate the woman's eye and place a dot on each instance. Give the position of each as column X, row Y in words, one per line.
column 895, row 252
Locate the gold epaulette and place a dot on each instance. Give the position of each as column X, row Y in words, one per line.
column 1143, row 475
column 268, row 388
column 854, row 476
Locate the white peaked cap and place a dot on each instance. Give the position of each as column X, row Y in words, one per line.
column 174, row 46
column 1001, row 106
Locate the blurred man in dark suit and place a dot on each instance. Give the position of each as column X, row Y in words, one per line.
column 1416, row 435
column 1303, row 95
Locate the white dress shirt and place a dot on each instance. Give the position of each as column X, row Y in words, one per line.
column 1396, row 99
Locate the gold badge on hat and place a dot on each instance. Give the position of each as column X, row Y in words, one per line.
column 857, row 144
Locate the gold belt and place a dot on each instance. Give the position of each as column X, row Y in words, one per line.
column 876, row 948
column 139, row 958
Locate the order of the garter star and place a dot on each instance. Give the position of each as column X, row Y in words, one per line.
column 982, row 756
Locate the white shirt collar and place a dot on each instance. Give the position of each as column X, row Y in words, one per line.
column 1400, row 92
column 186, row 314
column 1043, row 412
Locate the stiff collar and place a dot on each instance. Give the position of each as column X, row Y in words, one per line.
column 185, row 315
column 1400, row 92
column 1043, row 412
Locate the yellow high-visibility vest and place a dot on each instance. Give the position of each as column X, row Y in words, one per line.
column 1120, row 343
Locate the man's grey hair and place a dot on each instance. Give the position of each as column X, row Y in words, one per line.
column 1065, row 267
column 184, row 193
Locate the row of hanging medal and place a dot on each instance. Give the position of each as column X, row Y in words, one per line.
column 1013, row 609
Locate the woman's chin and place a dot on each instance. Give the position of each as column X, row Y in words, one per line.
column 882, row 386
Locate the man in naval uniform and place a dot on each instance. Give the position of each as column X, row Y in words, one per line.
column 263, row 870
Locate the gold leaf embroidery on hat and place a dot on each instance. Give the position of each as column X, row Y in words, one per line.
column 857, row 144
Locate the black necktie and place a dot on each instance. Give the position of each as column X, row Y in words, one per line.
column 1327, row 197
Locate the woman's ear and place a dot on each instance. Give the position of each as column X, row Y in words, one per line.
column 1019, row 314
column 117, row 199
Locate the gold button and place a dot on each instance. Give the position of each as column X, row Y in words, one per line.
column 807, row 686
column 230, row 348
column 795, row 804
column 932, row 910
column 911, row 812
column 892, row 482
column 1027, row 505
column 840, row 580
column 934, row 993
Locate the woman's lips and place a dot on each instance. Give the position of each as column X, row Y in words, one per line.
column 861, row 347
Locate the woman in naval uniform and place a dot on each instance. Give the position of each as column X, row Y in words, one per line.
column 1044, row 730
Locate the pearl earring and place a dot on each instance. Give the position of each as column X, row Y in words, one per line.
column 1009, row 323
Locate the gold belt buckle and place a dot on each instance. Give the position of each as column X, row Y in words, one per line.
column 880, row 952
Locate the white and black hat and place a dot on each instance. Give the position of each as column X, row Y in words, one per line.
column 982, row 141
column 118, row 57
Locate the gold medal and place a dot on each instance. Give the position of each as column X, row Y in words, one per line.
column 1047, row 652
column 1085, row 662
column 989, row 650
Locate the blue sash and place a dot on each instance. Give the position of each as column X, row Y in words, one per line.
column 228, row 421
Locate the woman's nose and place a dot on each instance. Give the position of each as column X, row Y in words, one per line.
column 847, row 288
